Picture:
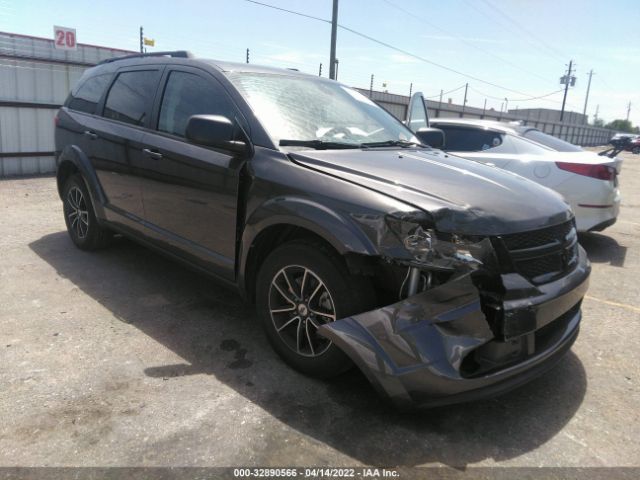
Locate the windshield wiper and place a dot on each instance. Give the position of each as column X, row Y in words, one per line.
column 317, row 144
column 392, row 143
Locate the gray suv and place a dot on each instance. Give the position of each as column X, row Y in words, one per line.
column 442, row 280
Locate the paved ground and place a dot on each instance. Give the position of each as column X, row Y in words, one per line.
column 124, row 358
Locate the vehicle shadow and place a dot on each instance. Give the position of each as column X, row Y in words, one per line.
column 217, row 334
column 603, row 249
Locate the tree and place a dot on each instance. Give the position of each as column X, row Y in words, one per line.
column 621, row 125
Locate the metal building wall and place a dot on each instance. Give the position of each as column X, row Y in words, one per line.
column 35, row 79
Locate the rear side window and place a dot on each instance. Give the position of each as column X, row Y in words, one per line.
column 88, row 95
column 187, row 94
column 470, row 139
column 129, row 99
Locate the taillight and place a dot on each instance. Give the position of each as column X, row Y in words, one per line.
column 601, row 172
column 56, row 119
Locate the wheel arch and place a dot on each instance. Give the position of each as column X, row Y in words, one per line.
column 72, row 161
column 296, row 218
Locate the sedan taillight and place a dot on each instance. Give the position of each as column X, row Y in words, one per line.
column 601, row 172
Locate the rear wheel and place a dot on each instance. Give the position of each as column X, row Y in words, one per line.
column 636, row 150
column 82, row 226
column 301, row 287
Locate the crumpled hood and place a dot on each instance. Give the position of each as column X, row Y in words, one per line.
column 462, row 196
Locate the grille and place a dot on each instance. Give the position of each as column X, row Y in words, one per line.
column 537, row 238
column 540, row 266
column 543, row 255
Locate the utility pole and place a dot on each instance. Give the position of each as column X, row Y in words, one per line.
column 410, row 89
column 337, row 65
column 464, row 102
column 141, row 40
column 566, row 80
column 371, row 87
column 628, row 110
column 595, row 117
column 506, row 105
column 320, row 70
column 586, row 98
column 334, row 34
column 484, row 109
column 247, row 55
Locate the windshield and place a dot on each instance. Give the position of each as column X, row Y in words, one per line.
column 308, row 110
column 551, row 142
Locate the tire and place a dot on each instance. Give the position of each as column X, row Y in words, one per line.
column 347, row 294
column 80, row 218
column 636, row 150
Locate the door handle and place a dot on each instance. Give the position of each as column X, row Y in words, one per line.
column 152, row 154
column 90, row 134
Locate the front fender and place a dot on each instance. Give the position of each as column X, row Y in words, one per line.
column 336, row 228
column 74, row 155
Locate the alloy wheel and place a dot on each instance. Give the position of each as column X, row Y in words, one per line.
column 299, row 304
column 78, row 214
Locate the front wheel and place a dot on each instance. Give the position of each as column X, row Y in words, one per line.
column 301, row 287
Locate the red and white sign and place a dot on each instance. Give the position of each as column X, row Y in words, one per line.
column 64, row 38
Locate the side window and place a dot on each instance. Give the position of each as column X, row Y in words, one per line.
column 130, row 96
column 187, row 94
column 470, row 139
column 88, row 95
column 417, row 116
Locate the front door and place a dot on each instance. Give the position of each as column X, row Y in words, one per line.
column 417, row 113
column 190, row 191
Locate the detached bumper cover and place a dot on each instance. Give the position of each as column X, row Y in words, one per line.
column 421, row 351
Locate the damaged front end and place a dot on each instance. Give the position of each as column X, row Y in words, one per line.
column 474, row 317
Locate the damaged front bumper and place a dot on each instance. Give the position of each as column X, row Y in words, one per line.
column 442, row 346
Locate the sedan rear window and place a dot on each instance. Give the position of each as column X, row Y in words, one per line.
column 551, row 142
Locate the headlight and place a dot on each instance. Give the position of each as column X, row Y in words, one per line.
column 445, row 251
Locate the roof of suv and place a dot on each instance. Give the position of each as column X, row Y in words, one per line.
column 186, row 58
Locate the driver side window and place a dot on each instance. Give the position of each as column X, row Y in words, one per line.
column 188, row 94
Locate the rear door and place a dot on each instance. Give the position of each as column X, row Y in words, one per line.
column 190, row 191
column 117, row 147
column 417, row 112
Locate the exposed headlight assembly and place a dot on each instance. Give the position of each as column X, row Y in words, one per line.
column 444, row 251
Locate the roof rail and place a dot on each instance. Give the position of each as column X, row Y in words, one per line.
column 175, row 54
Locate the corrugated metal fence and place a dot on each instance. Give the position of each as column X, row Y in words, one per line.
column 35, row 79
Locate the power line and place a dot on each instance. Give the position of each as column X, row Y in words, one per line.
column 467, row 42
column 523, row 29
column 392, row 47
column 516, row 31
column 520, row 99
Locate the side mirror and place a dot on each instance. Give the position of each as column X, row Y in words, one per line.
column 434, row 137
column 215, row 131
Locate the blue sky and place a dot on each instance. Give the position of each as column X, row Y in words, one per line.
column 521, row 45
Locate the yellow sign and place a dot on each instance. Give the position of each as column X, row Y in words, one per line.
column 149, row 41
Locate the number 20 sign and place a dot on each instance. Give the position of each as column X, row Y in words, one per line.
column 64, row 38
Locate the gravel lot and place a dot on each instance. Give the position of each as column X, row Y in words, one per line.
column 124, row 358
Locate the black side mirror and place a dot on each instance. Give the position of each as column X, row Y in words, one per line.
column 215, row 131
column 434, row 137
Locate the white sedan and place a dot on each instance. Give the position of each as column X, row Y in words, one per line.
column 588, row 182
